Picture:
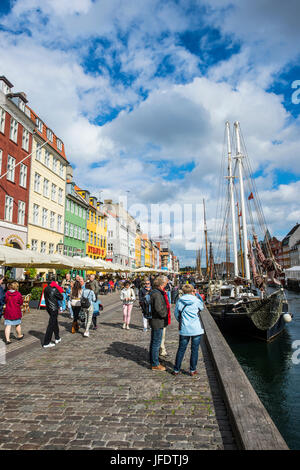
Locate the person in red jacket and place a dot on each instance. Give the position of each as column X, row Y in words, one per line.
column 13, row 313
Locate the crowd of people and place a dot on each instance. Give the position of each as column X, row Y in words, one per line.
column 81, row 300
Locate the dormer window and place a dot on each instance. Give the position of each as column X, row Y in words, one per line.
column 59, row 144
column 39, row 125
column 5, row 88
column 49, row 135
column 21, row 105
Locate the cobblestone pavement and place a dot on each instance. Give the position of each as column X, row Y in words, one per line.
column 99, row 392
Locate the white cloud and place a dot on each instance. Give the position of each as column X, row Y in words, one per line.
column 176, row 123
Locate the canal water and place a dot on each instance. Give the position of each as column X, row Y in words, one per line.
column 274, row 373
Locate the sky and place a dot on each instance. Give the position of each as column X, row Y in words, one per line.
column 139, row 92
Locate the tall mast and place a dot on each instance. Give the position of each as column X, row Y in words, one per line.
column 232, row 206
column 240, row 238
column 227, row 255
column 239, row 158
column 211, row 261
column 206, row 248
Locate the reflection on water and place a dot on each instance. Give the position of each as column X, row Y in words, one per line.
column 273, row 375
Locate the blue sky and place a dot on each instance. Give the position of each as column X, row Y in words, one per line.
column 140, row 91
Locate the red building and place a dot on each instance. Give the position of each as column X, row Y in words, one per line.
column 16, row 129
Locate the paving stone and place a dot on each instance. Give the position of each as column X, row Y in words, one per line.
column 106, row 396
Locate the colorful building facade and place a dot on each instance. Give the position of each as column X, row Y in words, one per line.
column 76, row 215
column 47, row 190
column 96, row 227
column 16, row 130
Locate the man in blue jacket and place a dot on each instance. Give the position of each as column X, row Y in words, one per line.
column 190, row 327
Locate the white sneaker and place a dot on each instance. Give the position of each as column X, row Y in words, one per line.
column 124, row 326
column 127, row 327
column 57, row 341
column 50, row 345
column 86, row 334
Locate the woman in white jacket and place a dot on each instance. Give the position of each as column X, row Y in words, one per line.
column 128, row 297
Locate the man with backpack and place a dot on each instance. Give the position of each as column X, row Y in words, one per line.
column 145, row 302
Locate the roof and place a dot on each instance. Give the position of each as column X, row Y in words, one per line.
column 43, row 134
column 8, row 83
column 291, row 231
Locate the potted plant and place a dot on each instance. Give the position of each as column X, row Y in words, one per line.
column 35, row 297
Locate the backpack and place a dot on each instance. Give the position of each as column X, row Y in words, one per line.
column 85, row 303
column 147, row 307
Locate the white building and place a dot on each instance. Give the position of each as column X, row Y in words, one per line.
column 121, row 234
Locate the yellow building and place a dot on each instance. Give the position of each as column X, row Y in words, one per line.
column 138, row 251
column 47, row 191
column 148, row 257
column 96, row 228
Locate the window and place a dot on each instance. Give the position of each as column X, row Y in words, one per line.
column 83, row 235
column 61, row 170
column 80, row 211
column 13, row 130
column 75, row 231
column 47, row 158
column 35, row 214
column 72, row 207
column 46, row 188
column 51, row 248
column 25, row 139
column 44, row 218
column 39, row 125
column 110, row 247
column 23, row 175
column 59, row 144
column 9, row 201
column 37, row 182
column 75, row 209
column 95, row 239
column 79, row 233
column 67, row 227
column 110, row 234
column 34, row 245
column 38, row 153
column 71, row 230
column 43, row 247
column 68, row 205
column 49, row 135
column 59, row 223
column 11, row 162
column 21, row 105
column 54, row 164
column 88, row 236
column 2, row 120
column 53, row 192
column 21, row 213
column 60, row 196
column 52, row 220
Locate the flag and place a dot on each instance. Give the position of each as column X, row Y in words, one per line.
column 251, row 196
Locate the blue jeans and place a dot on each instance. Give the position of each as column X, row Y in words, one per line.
column 156, row 337
column 62, row 303
column 183, row 342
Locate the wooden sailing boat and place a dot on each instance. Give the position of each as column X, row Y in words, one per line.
column 236, row 307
